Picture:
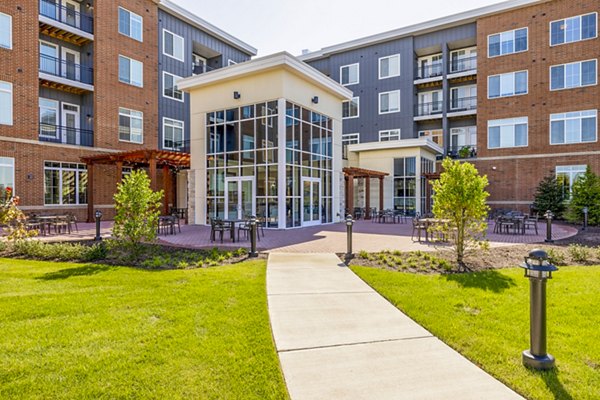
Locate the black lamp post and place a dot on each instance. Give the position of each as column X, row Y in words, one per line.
column 548, row 215
column 349, row 223
column 253, row 252
column 538, row 269
column 98, row 216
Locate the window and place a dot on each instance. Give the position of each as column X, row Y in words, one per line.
column 463, row 137
column 172, row 134
column 170, row 87
column 504, row 85
column 130, row 24
column 430, row 66
column 131, row 125
column 510, row 132
column 5, row 31
column 49, row 118
column 349, row 74
column 463, row 60
column 430, row 103
column 389, row 135
column 131, row 71
column 389, row 66
column 566, row 175
column 389, row 102
column 508, row 42
column 173, row 45
column 351, row 108
column 573, row 29
column 6, row 103
column 7, row 172
column 405, row 184
column 577, row 74
column 65, row 183
column 347, row 139
column 573, row 127
column 463, row 98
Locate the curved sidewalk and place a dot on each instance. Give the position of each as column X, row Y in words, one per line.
column 339, row 339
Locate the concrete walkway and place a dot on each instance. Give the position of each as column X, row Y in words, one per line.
column 339, row 339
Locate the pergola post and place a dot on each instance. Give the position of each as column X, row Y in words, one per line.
column 350, row 194
column 167, row 188
column 90, row 192
column 152, row 172
column 119, row 171
column 367, row 197
column 380, row 193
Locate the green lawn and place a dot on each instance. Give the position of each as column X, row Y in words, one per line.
column 485, row 316
column 88, row 331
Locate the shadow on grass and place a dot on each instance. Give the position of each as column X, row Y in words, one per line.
column 554, row 384
column 485, row 280
column 84, row 270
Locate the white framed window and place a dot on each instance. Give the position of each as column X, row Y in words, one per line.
column 572, row 75
column 131, row 125
column 430, row 66
column 48, row 118
column 574, row 127
column 389, row 135
column 5, row 31
column 389, row 102
column 509, row 42
column 173, row 45
column 65, row 183
column 131, row 71
column 170, row 89
column 511, row 132
column 7, row 173
column 348, row 139
column 463, row 98
column 463, row 60
column 574, row 29
column 465, row 136
column 350, row 74
column 131, row 24
column 351, row 108
column 510, row 84
column 6, row 103
column 389, row 66
column 172, row 134
column 566, row 175
column 230, row 62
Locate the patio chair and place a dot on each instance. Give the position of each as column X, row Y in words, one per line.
column 176, row 216
column 33, row 224
column 217, row 226
column 72, row 220
column 61, row 224
column 246, row 227
column 531, row 222
column 418, row 226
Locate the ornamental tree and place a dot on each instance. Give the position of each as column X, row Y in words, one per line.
column 585, row 193
column 459, row 202
column 137, row 209
column 549, row 195
column 11, row 217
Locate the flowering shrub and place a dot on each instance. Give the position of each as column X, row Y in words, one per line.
column 11, row 218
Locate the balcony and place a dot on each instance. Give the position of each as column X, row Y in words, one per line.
column 66, row 135
column 431, row 110
column 462, row 152
column 429, row 73
column 462, row 66
column 182, row 146
column 198, row 69
column 460, row 106
column 65, row 23
column 67, row 76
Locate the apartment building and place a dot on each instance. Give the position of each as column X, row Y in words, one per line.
column 511, row 87
column 95, row 81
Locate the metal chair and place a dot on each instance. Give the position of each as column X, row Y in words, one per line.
column 216, row 225
column 417, row 226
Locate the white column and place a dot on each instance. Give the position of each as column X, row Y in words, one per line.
column 337, row 177
column 418, row 183
column 281, row 170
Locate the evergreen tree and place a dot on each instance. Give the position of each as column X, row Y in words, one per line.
column 549, row 195
column 586, row 193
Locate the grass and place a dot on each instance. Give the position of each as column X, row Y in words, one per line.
column 485, row 316
column 77, row 331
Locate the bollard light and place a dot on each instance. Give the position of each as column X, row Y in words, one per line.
column 98, row 216
column 253, row 226
column 349, row 223
column 548, row 215
column 538, row 269
column 585, row 217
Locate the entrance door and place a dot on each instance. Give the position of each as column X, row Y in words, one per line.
column 311, row 201
column 70, row 124
column 70, row 14
column 71, row 64
column 240, row 201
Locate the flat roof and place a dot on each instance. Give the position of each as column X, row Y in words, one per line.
column 278, row 60
column 205, row 26
column 421, row 28
column 397, row 144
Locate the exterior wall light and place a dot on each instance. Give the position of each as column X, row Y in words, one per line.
column 315, row 100
column 237, row 95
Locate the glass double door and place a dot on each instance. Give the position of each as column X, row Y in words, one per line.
column 240, row 201
column 311, row 201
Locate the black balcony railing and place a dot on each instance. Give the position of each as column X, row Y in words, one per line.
column 463, row 104
column 462, row 64
column 67, row 16
column 198, row 69
column 64, row 69
column 430, row 70
column 466, row 151
column 432, row 108
column 66, row 135
column 182, row 146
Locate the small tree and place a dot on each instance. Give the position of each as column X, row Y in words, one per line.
column 11, row 217
column 137, row 209
column 549, row 195
column 586, row 193
column 459, row 200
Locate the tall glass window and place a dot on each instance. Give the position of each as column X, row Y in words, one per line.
column 566, row 175
column 65, row 183
column 7, row 172
column 405, row 184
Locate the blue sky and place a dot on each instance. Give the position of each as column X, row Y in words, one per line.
column 275, row 25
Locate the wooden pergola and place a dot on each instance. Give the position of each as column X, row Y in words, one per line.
column 431, row 176
column 351, row 173
column 153, row 159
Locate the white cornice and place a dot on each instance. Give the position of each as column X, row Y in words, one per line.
column 205, row 26
column 397, row 144
column 421, row 28
column 277, row 60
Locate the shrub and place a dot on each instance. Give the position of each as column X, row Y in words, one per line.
column 35, row 249
column 586, row 193
column 579, row 253
column 11, row 218
column 549, row 195
column 556, row 257
column 363, row 254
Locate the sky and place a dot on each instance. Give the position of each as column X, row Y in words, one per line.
column 276, row 25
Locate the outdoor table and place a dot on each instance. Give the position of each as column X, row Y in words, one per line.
column 166, row 220
column 231, row 223
column 47, row 221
